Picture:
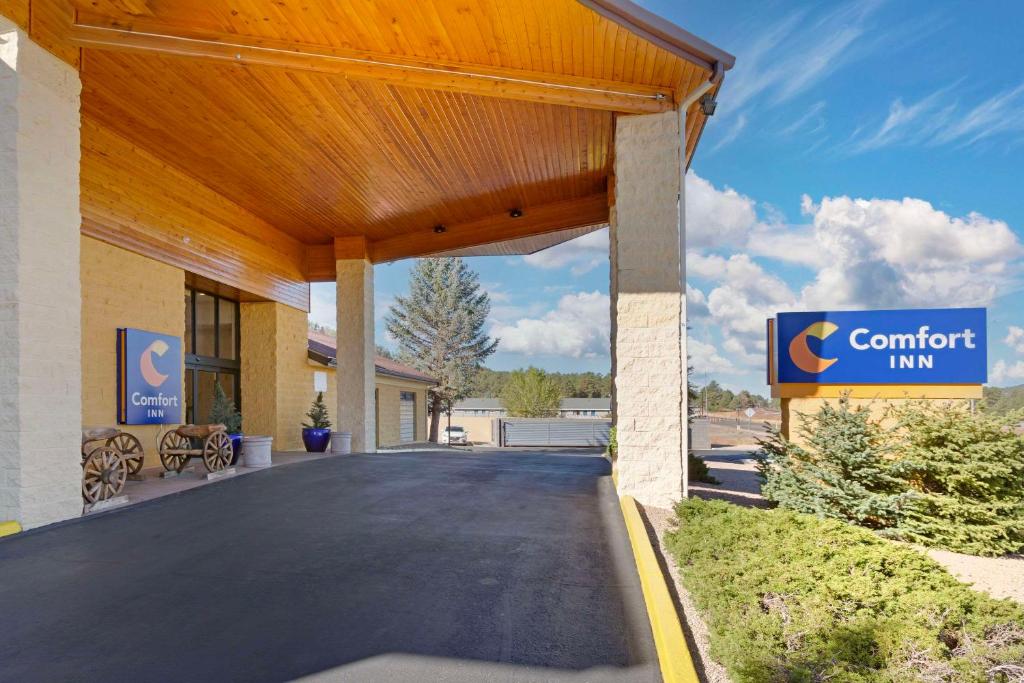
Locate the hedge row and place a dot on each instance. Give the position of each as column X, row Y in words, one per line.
column 792, row 597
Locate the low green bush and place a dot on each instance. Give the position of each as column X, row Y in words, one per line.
column 938, row 475
column 698, row 470
column 790, row 597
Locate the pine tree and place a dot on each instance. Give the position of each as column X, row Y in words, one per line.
column 439, row 328
column 967, row 473
column 531, row 393
column 223, row 411
column 844, row 471
column 318, row 416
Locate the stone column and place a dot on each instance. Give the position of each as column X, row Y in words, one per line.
column 40, row 289
column 356, row 353
column 648, row 309
column 276, row 381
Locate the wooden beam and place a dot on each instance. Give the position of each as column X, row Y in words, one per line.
column 321, row 266
column 350, row 247
column 149, row 37
column 537, row 220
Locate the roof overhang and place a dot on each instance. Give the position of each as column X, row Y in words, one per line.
column 261, row 141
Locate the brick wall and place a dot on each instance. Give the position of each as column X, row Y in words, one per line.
column 122, row 289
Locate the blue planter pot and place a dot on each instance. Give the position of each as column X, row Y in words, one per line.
column 316, row 440
column 236, row 447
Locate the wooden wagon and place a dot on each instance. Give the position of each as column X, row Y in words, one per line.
column 108, row 457
column 209, row 442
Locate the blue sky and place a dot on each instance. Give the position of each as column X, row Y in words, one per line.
column 864, row 154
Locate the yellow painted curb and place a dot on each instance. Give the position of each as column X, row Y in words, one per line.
column 9, row 528
column 673, row 654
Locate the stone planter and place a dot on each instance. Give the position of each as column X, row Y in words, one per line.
column 256, row 451
column 341, row 443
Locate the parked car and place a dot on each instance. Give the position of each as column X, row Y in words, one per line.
column 454, row 436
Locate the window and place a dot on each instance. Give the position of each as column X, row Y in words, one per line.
column 211, row 352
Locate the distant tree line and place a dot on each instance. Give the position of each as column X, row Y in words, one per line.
column 721, row 399
column 1001, row 400
column 491, row 383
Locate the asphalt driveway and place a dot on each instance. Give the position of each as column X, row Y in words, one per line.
column 399, row 567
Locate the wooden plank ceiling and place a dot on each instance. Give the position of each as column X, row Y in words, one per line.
column 372, row 120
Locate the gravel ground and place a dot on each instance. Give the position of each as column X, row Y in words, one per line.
column 1000, row 577
column 659, row 521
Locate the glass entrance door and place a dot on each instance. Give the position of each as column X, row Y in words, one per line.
column 211, row 352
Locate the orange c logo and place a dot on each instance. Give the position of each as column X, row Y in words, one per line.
column 149, row 372
column 801, row 354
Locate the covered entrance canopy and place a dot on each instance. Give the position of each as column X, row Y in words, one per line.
column 264, row 143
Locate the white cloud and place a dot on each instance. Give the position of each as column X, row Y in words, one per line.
column 939, row 119
column 733, row 132
column 696, row 303
column 1015, row 338
column 808, row 123
column 323, row 308
column 862, row 253
column 783, row 60
column 716, row 218
column 1003, row 372
column 704, row 358
column 779, row 242
column 577, row 328
column 580, row 255
column 907, row 253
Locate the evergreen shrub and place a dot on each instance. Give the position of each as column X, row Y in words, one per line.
column 938, row 475
column 793, row 597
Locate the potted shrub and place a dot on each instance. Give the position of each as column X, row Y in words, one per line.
column 317, row 434
column 224, row 412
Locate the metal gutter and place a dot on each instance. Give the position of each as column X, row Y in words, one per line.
column 664, row 34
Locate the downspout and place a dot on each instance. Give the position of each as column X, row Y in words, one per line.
column 684, row 410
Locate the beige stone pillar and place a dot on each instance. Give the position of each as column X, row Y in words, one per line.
column 648, row 309
column 356, row 352
column 276, row 381
column 40, row 292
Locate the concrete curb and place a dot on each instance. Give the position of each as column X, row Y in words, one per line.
column 673, row 654
column 9, row 528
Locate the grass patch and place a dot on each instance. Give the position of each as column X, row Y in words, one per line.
column 791, row 597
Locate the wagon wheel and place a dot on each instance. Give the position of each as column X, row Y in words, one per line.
column 103, row 474
column 217, row 451
column 130, row 448
column 173, row 462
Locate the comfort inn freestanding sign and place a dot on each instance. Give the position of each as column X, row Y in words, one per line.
column 149, row 377
column 918, row 346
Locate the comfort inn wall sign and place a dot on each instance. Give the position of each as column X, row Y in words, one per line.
column 149, row 377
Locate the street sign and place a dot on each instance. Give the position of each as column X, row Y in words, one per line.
column 916, row 346
column 749, row 412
